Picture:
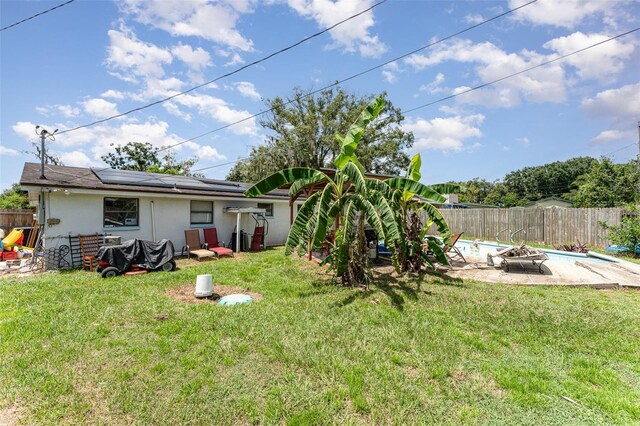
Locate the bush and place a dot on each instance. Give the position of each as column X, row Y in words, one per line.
column 627, row 234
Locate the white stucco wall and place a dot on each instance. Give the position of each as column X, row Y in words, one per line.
column 82, row 213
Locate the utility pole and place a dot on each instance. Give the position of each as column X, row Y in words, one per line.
column 38, row 261
column 44, row 134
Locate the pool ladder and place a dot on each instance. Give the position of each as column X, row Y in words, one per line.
column 511, row 235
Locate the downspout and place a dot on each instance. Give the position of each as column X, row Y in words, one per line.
column 238, row 232
column 153, row 223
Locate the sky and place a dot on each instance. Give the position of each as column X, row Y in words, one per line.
column 90, row 60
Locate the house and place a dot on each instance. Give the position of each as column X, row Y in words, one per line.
column 149, row 206
column 552, row 202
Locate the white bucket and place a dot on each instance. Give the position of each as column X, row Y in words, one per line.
column 204, row 286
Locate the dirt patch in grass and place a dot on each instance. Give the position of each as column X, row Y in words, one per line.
column 10, row 415
column 184, row 293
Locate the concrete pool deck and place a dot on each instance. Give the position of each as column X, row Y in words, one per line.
column 555, row 273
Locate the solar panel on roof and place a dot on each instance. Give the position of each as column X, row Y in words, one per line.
column 129, row 177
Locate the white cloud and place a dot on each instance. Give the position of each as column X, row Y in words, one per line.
column 205, row 152
column 174, row 110
column 446, row 134
column 76, row 159
column 435, row 86
column 603, row 61
column 609, row 136
column 617, row 106
column 545, row 84
column 7, row 151
column 199, row 18
column 219, row 110
column 236, row 59
column 127, row 55
column 563, row 13
column 473, row 19
column 353, row 35
column 154, row 132
column 389, row 72
column 523, row 141
column 113, row 94
column 43, row 110
column 99, row 108
column 247, row 89
column 622, row 103
column 196, row 59
column 68, row 111
column 26, row 130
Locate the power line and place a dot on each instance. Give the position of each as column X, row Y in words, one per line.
column 471, row 89
column 344, row 80
column 520, row 72
column 324, row 88
column 36, row 15
column 227, row 74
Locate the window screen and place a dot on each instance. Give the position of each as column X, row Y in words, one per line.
column 120, row 212
column 201, row 212
column 268, row 207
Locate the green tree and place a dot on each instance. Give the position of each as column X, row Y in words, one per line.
column 476, row 190
column 609, row 185
column 302, row 133
column 14, row 198
column 627, row 234
column 557, row 178
column 501, row 196
column 145, row 157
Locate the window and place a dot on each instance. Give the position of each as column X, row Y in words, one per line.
column 268, row 207
column 120, row 212
column 202, row 212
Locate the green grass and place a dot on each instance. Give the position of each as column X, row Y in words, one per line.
column 78, row 349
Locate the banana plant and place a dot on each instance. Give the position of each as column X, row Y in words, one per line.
column 344, row 203
column 409, row 197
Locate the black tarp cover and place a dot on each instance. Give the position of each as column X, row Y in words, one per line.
column 146, row 254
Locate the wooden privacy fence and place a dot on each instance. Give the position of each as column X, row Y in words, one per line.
column 12, row 218
column 543, row 225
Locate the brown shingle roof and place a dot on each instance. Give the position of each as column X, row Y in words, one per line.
column 85, row 178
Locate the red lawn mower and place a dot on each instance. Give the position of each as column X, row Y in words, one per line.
column 135, row 257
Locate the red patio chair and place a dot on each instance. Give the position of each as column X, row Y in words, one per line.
column 211, row 240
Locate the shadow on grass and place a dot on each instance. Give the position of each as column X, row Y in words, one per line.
column 400, row 289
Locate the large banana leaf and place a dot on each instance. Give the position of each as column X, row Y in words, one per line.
column 414, row 168
column 416, row 188
column 355, row 176
column 349, row 218
column 388, row 218
column 437, row 218
column 350, row 141
column 319, row 235
column 370, row 213
column 277, row 179
column 448, row 188
column 298, row 185
column 380, row 186
column 297, row 233
column 436, row 248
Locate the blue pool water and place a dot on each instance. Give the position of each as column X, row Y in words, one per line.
column 485, row 247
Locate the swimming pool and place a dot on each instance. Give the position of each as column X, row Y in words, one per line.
column 484, row 247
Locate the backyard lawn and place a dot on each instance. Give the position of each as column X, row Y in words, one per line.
column 75, row 348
